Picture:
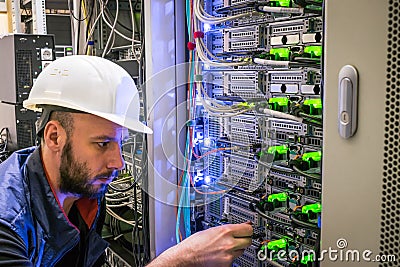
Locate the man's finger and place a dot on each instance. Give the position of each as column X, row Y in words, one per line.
column 242, row 242
column 242, row 230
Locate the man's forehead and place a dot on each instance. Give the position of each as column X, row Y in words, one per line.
column 100, row 126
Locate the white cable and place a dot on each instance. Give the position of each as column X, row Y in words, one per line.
column 118, row 199
column 92, row 30
column 117, row 32
column 113, row 214
column 112, row 29
column 133, row 32
column 117, row 193
column 290, row 10
column 277, row 114
column 272, row 63
column 123, row 205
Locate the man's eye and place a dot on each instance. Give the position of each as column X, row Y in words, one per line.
column 102, row 144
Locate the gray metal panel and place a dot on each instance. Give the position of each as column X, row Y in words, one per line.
column 7, row 69
column 163, row 78
column 355, row 34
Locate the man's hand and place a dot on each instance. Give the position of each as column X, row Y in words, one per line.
column 217, row 246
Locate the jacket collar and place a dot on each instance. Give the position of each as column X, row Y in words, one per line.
column 57, row 229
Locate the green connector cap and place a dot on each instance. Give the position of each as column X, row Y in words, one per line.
column 283, row 3
column 314, row 51
column 277, row 244
column 315, row 103
column 306, row 259
column 68, row 48
column 281, row 101
column 280, row 53
column 315, row 156
column 316, row 208
column 278, row 149
column 281, row 197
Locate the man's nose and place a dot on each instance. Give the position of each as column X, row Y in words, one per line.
column 115, row 160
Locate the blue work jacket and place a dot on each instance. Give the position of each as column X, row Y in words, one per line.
column 32, row 215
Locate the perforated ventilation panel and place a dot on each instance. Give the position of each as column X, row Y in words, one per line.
column 390, row 218
column 24, row 68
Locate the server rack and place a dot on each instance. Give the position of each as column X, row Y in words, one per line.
column 23, row 57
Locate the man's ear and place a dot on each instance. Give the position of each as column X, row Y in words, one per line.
column 54, row 136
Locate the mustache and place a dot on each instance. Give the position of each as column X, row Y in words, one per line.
column 107, row 175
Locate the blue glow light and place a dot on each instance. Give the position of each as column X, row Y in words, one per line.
column 206, row 27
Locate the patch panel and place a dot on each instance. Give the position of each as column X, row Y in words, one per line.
column 228, row 3
column 215, row 166
column 312, row 141
column 114, row 259
column 211, row 7
column 240, row 162
column 252, row 20
column 249, row 258
column 316, row 131
column 293, row 33
column 246, row 180
column 313, row 193
column 244, row 130
column 284, row 180
column 246, row 84
column 243, row 39
column 216, row 127
column 214, row 208
column 281, row 217
column 278, row 230
column 240, row 200
column 313, row 24
column 239, row 215
column 214, row 41
column 286, row 27
column 285, row 126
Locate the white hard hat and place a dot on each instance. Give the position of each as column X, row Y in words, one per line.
column 89, row 84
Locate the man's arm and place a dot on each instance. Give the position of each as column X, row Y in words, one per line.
column 12, row 249
column 217, row 246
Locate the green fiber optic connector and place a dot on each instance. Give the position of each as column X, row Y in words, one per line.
column 281, row 197
column 280, row 53
column 315, row 51
column 282, row 101
column 316, row 208
column 315, row 106
column 281, row 3
column 278, row 103
column 306, row 259
column 278, row 149
column 315, row 156
column 316, row 102
column 68, row 48
column 277, row 244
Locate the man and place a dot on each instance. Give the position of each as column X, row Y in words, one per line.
column 51, row 207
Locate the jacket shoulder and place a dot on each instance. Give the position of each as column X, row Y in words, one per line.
column 14, row 192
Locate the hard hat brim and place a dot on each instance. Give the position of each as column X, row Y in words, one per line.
column 125, row 121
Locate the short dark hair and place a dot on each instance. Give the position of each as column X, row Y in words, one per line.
column 65, row 119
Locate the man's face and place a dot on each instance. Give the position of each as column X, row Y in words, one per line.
column 91, row 156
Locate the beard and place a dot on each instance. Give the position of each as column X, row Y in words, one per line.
column 75, row 176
